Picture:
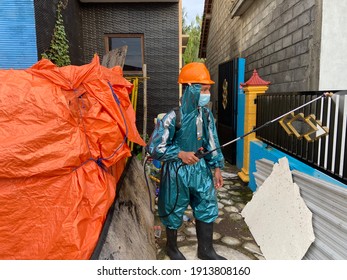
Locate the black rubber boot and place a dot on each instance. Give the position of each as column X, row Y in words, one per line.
column 204, row 233
column 171, row 245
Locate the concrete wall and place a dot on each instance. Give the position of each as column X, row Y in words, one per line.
column 281, row 39
column 333, row 57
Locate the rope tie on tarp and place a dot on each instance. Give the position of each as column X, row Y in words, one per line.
column 99, row 161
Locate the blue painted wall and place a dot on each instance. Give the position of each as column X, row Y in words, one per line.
column 259, row 150
column 18, row 48
column 240, row 112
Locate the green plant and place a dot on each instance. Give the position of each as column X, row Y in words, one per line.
column 193, row 30
column 58, row 51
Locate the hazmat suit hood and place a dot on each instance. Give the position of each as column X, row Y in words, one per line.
column 190, row 98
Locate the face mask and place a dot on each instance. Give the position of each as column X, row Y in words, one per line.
column 204, row 99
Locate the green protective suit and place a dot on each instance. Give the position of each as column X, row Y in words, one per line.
column 195, row 182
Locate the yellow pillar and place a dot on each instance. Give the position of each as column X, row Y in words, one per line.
column 252, row 88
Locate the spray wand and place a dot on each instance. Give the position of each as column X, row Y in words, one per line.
column 200, row 153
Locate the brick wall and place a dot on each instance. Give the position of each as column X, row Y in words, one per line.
column 222, row 38
column 281, row 39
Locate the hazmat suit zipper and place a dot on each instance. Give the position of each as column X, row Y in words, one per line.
column 199, row 122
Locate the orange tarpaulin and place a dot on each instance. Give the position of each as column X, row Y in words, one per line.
column 60, row 129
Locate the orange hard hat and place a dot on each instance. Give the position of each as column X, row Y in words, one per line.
column 195, row 73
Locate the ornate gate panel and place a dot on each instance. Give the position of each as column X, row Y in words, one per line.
column 227, row 107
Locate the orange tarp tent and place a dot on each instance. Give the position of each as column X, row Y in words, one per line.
column 61, row 130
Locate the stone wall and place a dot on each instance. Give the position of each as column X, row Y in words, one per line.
column 281, row 39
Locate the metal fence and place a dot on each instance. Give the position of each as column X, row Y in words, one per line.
column 327, row 153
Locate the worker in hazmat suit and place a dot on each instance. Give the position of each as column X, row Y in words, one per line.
column 174, row 142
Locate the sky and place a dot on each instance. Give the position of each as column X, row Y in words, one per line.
column 192, row 8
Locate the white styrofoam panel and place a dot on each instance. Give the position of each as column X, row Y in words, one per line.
column 278, row 217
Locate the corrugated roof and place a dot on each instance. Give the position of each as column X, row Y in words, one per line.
column 17, row 34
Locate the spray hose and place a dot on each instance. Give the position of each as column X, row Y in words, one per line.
column 149, row 191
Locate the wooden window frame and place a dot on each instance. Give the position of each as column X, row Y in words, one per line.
column 129, row 35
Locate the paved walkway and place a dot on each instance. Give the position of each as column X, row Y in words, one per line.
column 232, row 238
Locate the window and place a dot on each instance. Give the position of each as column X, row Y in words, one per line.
column 134, row 58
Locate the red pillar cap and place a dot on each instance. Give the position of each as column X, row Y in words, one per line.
column 255, row 80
